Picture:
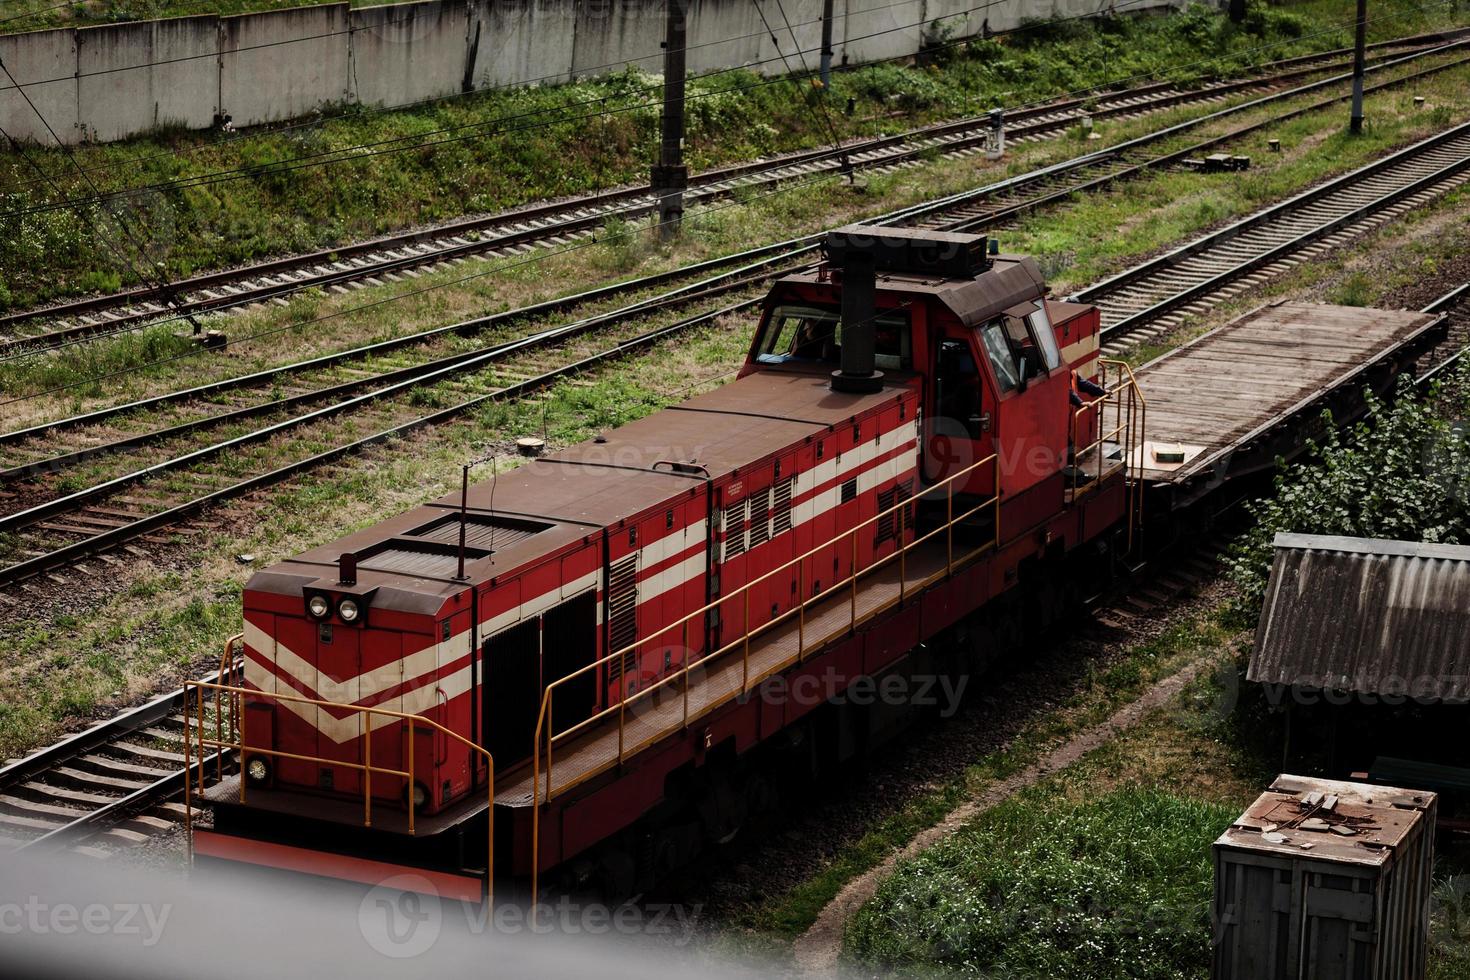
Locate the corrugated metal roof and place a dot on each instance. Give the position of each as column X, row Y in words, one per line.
column 1367, row 615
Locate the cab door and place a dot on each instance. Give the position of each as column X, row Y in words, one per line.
column 960, row 429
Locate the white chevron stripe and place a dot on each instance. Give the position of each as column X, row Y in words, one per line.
column 415, row 702
column 367, row 685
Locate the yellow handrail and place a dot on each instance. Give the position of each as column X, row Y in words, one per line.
column 743, row 591
column 543, row 720
column 1131, row 420
column 235, row 696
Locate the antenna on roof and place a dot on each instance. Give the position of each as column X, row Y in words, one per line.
column 464, row 508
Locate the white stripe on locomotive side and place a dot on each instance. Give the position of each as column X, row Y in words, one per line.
column 1080, row 349
column 424, row 663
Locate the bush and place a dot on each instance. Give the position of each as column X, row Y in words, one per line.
column 1041, row 887
column 1403, row 473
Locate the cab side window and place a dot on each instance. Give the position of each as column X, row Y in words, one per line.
column 1039, row 324
column 957, row 387
column 1021, row 345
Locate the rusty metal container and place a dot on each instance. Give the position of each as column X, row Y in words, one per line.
column 1325, row 880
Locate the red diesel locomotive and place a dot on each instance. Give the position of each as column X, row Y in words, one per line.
column 605, row 634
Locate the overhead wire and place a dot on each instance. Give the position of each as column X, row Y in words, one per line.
column 547, row 254
column 159, row 283
column 540, row 256
column 416, row 141
column 480, row 130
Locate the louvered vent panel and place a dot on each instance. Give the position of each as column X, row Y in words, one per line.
column 781, row 512
column 886, row 520
column 735, row 529
column 760, row 518
column 849, row 491
column 622, row 611
column 906, row 493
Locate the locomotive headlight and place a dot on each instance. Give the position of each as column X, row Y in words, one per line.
column 419, row 795
column 319, row 607
column 257, row 770
column 348, row 610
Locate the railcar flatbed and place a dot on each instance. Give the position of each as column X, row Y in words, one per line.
column 1234, row 400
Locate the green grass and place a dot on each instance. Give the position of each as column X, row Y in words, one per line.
column 1118, row 886
column 732, row 116
column 1103, row 689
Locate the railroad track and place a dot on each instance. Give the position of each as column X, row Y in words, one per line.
column 520, row 231
column 104, row 790
column 114, row 786
column 381, row 397
column 1154, row 297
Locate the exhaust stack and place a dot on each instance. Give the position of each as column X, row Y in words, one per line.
column 859, row 306
column 860, row 252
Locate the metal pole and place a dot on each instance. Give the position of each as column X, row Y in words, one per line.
column 670, row 176
column 1359, row 43
column 826, row 69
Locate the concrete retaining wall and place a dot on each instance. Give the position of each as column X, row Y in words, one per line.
column 109, row 83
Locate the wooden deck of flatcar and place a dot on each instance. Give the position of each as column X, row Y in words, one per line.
column 1226, row 402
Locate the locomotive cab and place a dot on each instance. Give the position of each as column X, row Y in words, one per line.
column 975, row 334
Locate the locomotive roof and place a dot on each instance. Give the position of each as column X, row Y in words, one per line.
column 1010, row 280
column 539, row 508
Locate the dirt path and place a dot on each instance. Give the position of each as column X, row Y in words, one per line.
column 817, row 949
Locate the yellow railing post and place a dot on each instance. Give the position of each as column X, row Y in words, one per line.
column 996, row 498
column 687, row 661
column 367, row 776
column 412, row 783
column 622, row 703
column 745, row 656
column 240, row 733
column 903, row 552
column 199, row 720
column 852, row 576
column 550, row 742
column 949, row 529
column 188, row 794
column 801, row 613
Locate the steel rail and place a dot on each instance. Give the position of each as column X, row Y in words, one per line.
column 916, row 212
column 1451, row 303
column 1129, row 170
column 575, row 221
column 110, row 538
column 1200, row 246
column 87, row 742
column 717, row 286
column 148, row 522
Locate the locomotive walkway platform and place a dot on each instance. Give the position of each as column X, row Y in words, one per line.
column 728, row 675
column 1232, row 401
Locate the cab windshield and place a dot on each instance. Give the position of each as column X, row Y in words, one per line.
column 1021, row 345
column 814, row 334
